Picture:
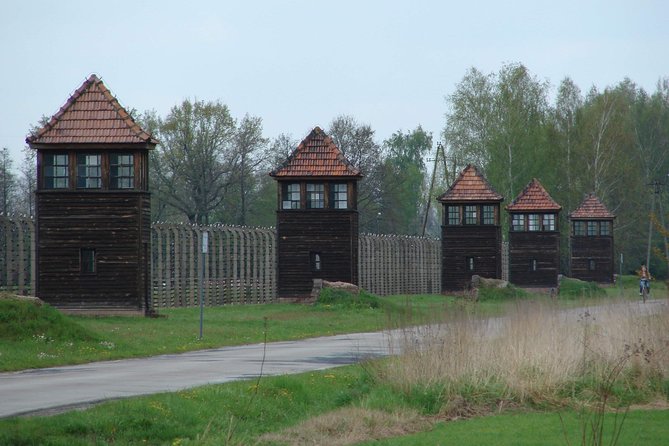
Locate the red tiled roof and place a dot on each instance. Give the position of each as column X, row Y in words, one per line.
column 471, row 185
column 92, row 115
column 533, row 198
column 316, row 156
column 591, row 208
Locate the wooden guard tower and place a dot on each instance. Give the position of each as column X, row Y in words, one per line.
column 534, row 238
column 93, row 206
column 471, row 237
column 317, row 217
column 591, row 241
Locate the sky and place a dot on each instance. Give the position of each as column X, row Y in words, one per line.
column 299, row 64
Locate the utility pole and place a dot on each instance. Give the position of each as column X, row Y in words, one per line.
column 440, row 150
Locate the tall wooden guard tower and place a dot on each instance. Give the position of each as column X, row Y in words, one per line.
column 534, row 238
column 591, row 241
column 317, row 217
column 93, row 206
column 471, row 235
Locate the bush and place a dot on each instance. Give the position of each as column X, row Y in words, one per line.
column 21, row 320
column 508, row 293
column 343, row 299
column 574, row 288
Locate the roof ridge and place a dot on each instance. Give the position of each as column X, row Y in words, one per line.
column 488, row 193
column 548, row 202
column 91, row 84
column 592, row 207
column 323, row 164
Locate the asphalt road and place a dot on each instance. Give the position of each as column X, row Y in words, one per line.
column 53, row 390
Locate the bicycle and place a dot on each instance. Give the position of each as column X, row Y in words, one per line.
column 645, row 289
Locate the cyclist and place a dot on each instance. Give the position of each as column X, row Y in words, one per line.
column 644, row 279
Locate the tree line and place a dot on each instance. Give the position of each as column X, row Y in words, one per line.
column 213, row 168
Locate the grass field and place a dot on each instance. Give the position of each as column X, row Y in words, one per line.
column 457, row 389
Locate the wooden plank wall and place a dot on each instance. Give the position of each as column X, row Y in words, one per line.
column 17, row 255
column 600, row 250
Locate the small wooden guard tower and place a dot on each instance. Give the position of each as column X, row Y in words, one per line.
column 317, row 217
column 93, row 206
column 471, row 237
column 591, row 241
column 534, row 238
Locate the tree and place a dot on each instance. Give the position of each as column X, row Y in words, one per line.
column 27, row 184
column 356, row 141
column 7, row 182
column 470, row 120
column 195, row 158
column 567, row 106
column 403, row 191
column 249, row 153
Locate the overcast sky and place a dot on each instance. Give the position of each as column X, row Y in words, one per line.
column 298, row 64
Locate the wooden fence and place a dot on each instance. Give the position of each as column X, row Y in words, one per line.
column 239, row 266
column 391, row 264
column 17, row 254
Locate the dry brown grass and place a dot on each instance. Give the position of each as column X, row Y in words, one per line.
column 531, row 356
column 534, row 352
column 351, row 425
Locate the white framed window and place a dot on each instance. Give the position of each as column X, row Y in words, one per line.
column 533, row 222
column 315, row 195
column 121, row 171
column 518, row 222
column 339, row 193
column 548, row 222
column 291, row 196
column 453, row 215
column 471, row 215
column 89, row 171
column 488, row 214
column 56, row 171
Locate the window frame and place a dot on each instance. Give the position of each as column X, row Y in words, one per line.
column 316, row 261
column 336, row 195
column 602, row 231
column 88, row 261
column 533, row 222
column 548, row 222
column 86, row 175
column 471, row 215
column 592, row 228
column 579, row 228
column 290, row 196
column 469, row 264
column 51, row 182
column 119, row 181
column 488, row 215
column 317, row 191
column 454, row 215
column 518, row 222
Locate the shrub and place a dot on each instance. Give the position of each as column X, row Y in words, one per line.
column 21, row 320
column 343, row 299
column 574, row 288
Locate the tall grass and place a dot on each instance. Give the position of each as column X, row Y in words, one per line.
column 535, row 356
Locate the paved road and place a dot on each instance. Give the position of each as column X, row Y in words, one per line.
column 44, row 391
column 52, row 390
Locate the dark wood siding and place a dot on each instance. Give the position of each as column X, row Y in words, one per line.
column 332, row 234
column 599, row 249
column 542, row 247
column 117, row 226
column 482, row 243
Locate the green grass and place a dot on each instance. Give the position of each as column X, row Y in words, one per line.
column 640, row 427
column 41, row 337
column 578, row 289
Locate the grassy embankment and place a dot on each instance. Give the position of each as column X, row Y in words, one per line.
column 539, row 362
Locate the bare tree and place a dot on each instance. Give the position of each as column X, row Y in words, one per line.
column 195, row 157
